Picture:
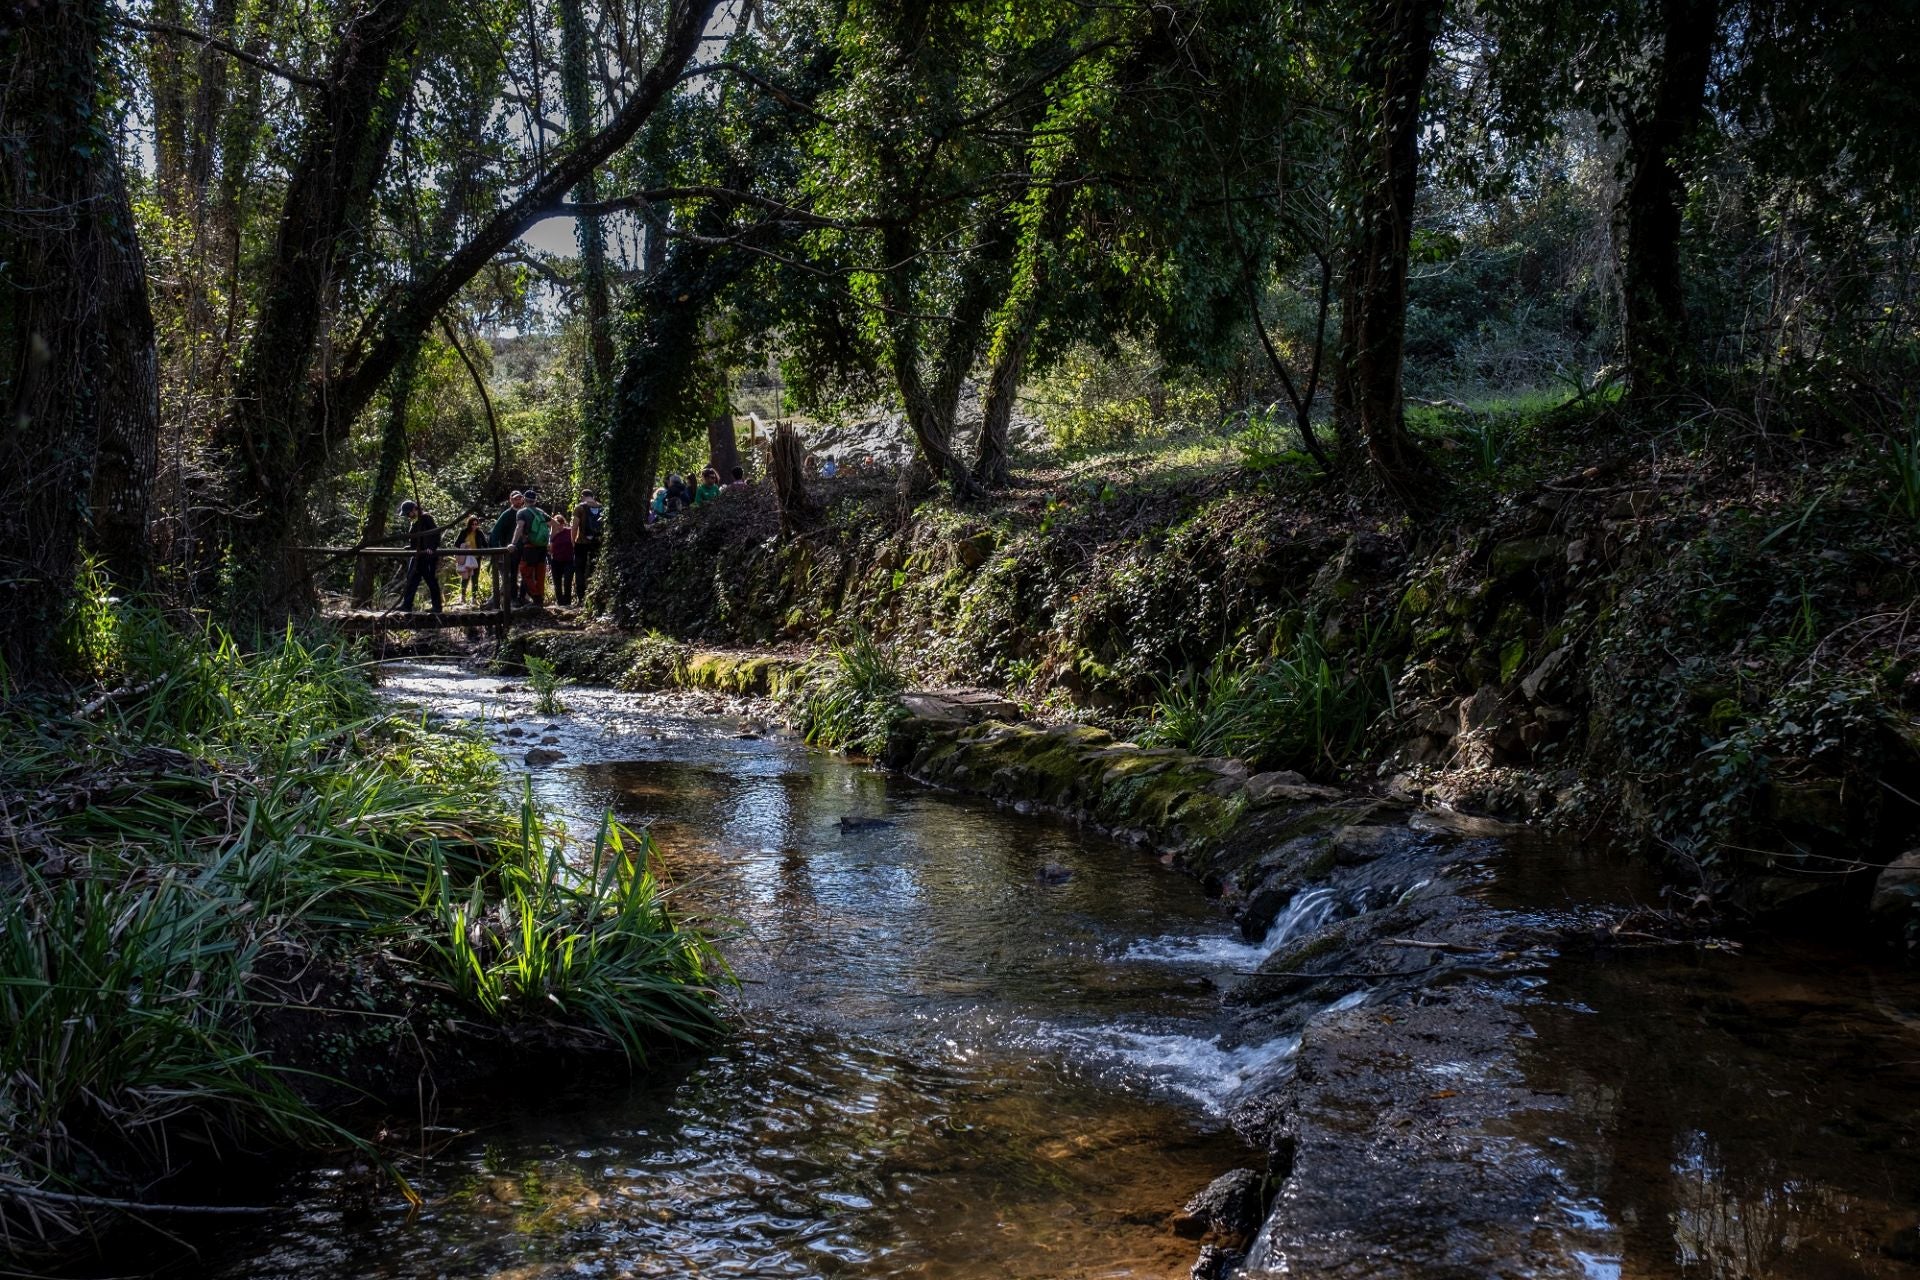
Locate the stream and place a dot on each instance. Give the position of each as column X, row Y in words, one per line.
column 970, row 1043
column 945, row 1063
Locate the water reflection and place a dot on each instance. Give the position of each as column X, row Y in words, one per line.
column 1737, row 1116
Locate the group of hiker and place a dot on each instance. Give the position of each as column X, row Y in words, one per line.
column 533, row 537
column 569, row 540
column 677, row 495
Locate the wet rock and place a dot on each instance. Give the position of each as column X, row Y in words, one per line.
column 1229, row 1209
column 1053, row 873
column 1895, row 907
column 747, row 735
column 863, row 824
column 1282, row 785
column 958, row 706
column 549, row 740
column 513, row 731
column 544, row 755
column 1214, row 1263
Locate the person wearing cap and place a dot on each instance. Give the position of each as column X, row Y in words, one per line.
column 423, row 535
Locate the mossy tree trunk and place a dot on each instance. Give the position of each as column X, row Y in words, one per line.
column 576, row 89
column 77, row 357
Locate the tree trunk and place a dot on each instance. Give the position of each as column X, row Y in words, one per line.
column 167, row 85
column 1649, row 214
column 1394, row 61
column 993, row 459
column 386, row 475
column 723, row 446
column 931, row 404
column 76, row 336
column 329, row 197
column 1018, row 322
column 576, row 91
column 786, row 458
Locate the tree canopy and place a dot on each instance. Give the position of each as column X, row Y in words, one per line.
column 309, row 243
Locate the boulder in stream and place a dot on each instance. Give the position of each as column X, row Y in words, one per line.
column 544, row 755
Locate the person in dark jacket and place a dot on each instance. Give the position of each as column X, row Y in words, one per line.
column 589, row 527
column 423, row 536
column 503, row 537
column 560, row 553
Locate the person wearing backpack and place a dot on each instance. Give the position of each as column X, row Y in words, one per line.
column 531, row 529
column 589, row 526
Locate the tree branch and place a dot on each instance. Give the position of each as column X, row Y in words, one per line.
column 227, row 47
column 363, row 370
column 772, row 90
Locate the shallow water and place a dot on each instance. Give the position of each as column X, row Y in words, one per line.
column 943, row 1065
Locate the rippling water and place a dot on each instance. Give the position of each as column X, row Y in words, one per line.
column 944, row 1064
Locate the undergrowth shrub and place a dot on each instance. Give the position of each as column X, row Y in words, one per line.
column 850, row 698
column 1298, row 709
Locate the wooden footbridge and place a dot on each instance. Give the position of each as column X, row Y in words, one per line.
column 499, row 614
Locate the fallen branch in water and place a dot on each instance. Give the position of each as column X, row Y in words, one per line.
column 1451, row 948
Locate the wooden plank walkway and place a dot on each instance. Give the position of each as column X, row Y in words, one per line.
column 361, row 621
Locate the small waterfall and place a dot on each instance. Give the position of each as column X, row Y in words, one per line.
column 1308, row 911
column 1202, row 1071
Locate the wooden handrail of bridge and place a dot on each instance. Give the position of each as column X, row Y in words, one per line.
column 402, row 551
column 501, row 616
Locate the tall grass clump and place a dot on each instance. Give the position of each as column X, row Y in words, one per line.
column 1299, row 709
column 546, row 683
column 849, row 699
column 202, row 838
